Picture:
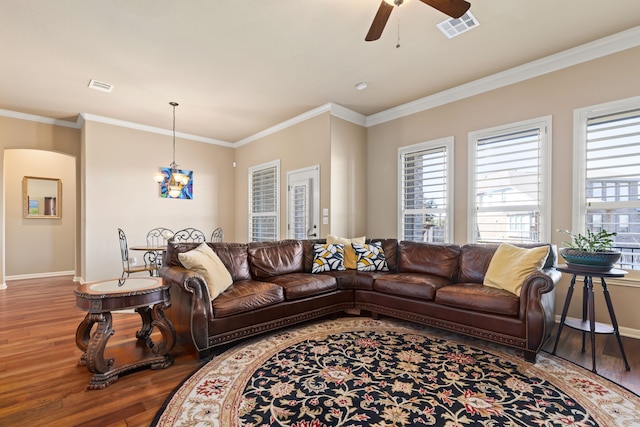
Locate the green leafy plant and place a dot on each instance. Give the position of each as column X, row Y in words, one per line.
column 601, row 241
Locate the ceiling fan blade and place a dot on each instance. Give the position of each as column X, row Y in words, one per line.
column 453, row 8
column 379, row 21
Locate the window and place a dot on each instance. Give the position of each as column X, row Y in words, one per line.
column 264, row 202
column 607, row 174
column 509, row 179
column 426, row 182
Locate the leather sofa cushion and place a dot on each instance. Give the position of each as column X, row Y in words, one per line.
column 232, row 255
column 477, row 297
column 246, row 295
column 353, row 279
column 269, row 259
column 412, row 285
column 476, row 257
column 428, row 258
column 302, row 285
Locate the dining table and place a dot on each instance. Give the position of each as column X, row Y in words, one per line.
column 153, row 253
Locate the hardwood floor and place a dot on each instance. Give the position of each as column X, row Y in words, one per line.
column 41, row 383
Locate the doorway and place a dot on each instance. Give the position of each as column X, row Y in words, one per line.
column 303, row 203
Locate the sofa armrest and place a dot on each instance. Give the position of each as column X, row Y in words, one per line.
column 537, row 306
column 191, row 308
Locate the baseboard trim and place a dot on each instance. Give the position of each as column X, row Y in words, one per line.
column 40, row 275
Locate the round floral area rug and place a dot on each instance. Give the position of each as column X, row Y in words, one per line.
column 364, row 372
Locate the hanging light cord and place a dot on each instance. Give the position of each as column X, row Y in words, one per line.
column 174, row 105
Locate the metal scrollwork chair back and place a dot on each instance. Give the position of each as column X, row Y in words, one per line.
column 159, row 236
column 217, row 235
column 189, row 235
column 127, row 267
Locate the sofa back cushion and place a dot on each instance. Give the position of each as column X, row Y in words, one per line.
column 390, row 247
column 476, row 257
column 232, row 255
column 428, row 258
column 268, row 259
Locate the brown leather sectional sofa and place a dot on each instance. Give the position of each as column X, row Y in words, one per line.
column 438, row 285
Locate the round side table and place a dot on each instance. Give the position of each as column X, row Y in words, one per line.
column 148, row 296
column 588, row 322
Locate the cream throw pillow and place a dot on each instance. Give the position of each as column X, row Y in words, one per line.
column 350, row 257
column 510, row 265
column 205, row 261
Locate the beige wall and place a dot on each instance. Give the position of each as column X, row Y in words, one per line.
column 39, row 245
column 299, row 146
column 603, row 80
column 348, row 215
column 26, row 134
column 119, row 191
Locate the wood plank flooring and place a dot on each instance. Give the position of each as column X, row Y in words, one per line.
column 41, row 383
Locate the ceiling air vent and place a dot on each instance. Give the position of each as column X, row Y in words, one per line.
column 104, row 87
column 455, row 26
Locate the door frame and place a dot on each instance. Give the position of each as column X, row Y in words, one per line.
column 314, row 175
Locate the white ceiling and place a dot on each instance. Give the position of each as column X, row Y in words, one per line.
column 238, row 67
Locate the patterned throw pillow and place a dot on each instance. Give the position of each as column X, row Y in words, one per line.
column 327, row 257
column 370, row 257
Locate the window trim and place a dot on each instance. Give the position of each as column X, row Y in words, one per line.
column 579, row 208
column 580, row 117
column 545, row 125
column 448, row 144
column 257, row 168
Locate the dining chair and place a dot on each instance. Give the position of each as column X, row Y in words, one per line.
column 189, row 234
column 127, row 267
column 217, row 235
column 157, row 237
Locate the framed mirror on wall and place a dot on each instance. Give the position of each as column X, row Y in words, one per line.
column 42, row 197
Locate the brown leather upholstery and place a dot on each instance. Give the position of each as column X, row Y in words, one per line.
column 412, row 285
column 302, row 285
column 275, row 258
column 438, row 285
column 474, row 296
column 246, row 295
column 428, row 258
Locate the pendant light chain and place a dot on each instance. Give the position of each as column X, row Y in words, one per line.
column 174, row 105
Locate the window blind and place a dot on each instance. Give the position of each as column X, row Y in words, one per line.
column 264, row 204
column 424, row 195
column 612, row 180
column 508, row 187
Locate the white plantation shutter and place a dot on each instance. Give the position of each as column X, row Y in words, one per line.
column 425, row 192
column 300, row 196
column 509, row 180
column 610, row 190
column 264, row 202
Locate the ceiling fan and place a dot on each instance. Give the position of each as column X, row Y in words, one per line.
column 453, row 8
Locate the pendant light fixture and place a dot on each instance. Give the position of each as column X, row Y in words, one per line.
column 176, row 180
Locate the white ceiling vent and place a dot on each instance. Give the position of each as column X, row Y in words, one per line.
column 104, row 87
column 455, row 26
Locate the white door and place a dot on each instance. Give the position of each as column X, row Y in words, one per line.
column 303, row 203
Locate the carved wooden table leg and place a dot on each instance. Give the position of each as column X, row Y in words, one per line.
column 149, row 297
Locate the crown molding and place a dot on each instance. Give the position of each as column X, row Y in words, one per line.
column 152, row 129
column 577, row 55
column 40, row 119
column 336, row 110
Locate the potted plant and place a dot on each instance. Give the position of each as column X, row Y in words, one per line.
column 592, row 250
